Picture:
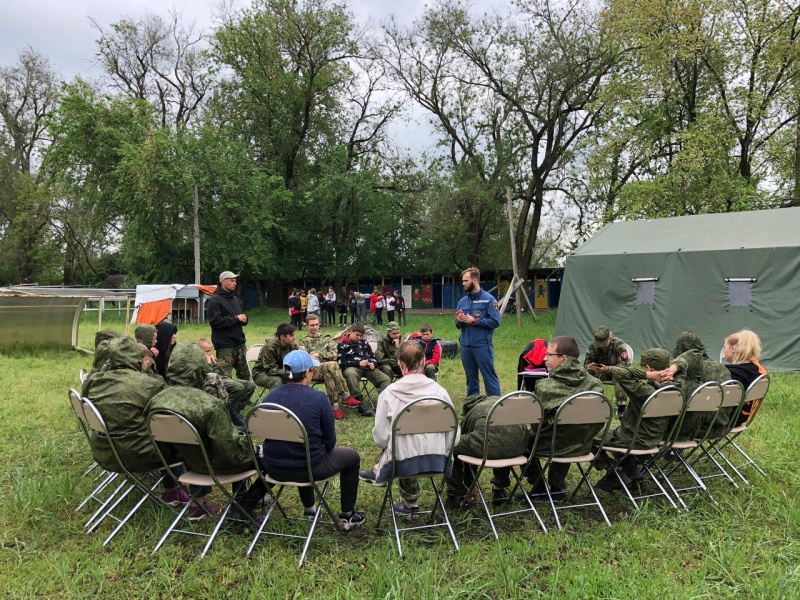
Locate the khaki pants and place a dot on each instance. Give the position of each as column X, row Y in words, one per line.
column 331, row 375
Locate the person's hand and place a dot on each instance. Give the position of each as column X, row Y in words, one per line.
column 363, row 364
column 371, row 366
column 601, row 368
column 242, row 318
column 315, row 355
column 154, row 351
column 396, row 343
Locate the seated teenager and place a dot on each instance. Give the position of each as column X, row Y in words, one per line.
column 356, row 360
column 121, row 393
column 387, row 351
column 741, row 352
column 417, row 453
column 239, row 391
column 227, row 447
column 286, row 461
column 268, row 370
column 431, row 348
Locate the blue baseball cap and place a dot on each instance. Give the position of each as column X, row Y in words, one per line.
column 298, row 362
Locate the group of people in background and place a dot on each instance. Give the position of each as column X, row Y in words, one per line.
column 131, row 378
column 361, row 307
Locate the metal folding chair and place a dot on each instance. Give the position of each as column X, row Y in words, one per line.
column 732, row 401
column 270, row 421
column 707, row 398
column 168, row 427
column 426, row 415
column 515, row 408
column 103, row 477
column 251, row 357
column 666, row 402
column 754, row 395
column 583, row 408
column 130, row 481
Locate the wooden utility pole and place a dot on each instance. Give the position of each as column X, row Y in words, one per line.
column 196, row 234
column 517, row 282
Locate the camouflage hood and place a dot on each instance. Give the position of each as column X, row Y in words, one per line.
column 569, row 373
column 105, row 335
column 187, row 366
column 101, row 345
column 688, row 340
column 124, row 353
column 144, row 334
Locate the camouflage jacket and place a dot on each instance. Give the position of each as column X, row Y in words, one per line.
column 386, row 353
column 228, row 449
column 634, row 383
column 322, row 344
column 270, row 359
column 121, row 394
column 565, row 380
column 615, row 355
column 506, row 441
column 688, row 378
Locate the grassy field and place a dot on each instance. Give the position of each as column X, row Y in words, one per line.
column 746, row 546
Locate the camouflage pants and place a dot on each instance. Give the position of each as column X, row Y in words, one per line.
column 239, row 392
column 619, row 393
column 331, row 375
column 234, row 358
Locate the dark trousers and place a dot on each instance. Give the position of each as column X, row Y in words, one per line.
column 379, row 315
column 343, row 461
column 390, row 315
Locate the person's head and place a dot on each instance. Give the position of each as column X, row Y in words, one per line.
column 393, row 330
column 312, row 322
column 227, row 280
column 471, row 280
column 688, row 340
column 146, row 334
column 207, row 348
column 302, row 293
column 187, row 366
column 145, row 357
column 330, row 290
column 654, row 359
column 299, row 366
column 602, row 337
column 285, row 333
column 410, row 357
column 742, row 346
column 312, row 292
column 396, row 293
column 559, row 349
column 426, row 332
column 357, row 332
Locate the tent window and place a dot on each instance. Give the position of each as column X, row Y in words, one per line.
column 645, row 291
column 740, row 291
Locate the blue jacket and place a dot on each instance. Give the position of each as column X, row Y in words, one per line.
column 481, row 306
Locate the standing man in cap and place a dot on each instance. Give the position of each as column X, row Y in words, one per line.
column 477, row 318
column 226, row 316
column 607, row 351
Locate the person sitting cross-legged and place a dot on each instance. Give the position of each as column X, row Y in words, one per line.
column 286, row 461
column 356, row 360
column 415, row 453
column 323, row 349
column 268, row 370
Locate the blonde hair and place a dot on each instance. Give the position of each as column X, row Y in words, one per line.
column 746, row 346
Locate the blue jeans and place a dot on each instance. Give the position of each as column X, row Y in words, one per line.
column 480, row 359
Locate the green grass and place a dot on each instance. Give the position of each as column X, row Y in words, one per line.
column 746, row 546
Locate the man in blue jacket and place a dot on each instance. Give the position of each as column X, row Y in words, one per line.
column 477, row 318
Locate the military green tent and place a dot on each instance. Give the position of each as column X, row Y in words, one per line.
column 714, row 274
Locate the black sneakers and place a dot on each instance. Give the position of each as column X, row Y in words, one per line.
column 348, row 521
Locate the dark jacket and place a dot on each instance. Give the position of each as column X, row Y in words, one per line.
column 164, row 346
column 349, row 354
column 226, row 328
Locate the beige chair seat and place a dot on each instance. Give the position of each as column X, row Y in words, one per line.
column 645, row 452
column 494, row 463
column 573, row 459
column 191, row 478
column 299, row 483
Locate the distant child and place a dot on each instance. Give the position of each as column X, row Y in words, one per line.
column 430, row 345
column 342, row 307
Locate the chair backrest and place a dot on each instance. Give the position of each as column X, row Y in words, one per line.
column 426, row 415
column 77, row 408
column 664, row 402
column 584, row 408
column 252, row 353
column 515, row 408
column 755, row 395
column 96, row 423
column 270, row 421
column 706, row 398
column 733, row 393
column 171, row 428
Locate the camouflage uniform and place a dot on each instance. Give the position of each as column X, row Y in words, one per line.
column 144, row 335
column 239, row 391
column 712, row 371
column 234, row 358
column 505, row 441
column 386, row 353
column 574, row 440
column 228, row 449
column 615, row 355
column 101, row 341
column 328, row 371
column 121, row 394
column 268, row 371
column 688, row 378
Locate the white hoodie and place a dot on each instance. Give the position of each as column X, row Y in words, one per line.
column 417, row 453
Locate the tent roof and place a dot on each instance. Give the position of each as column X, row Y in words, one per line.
column 775, row 228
